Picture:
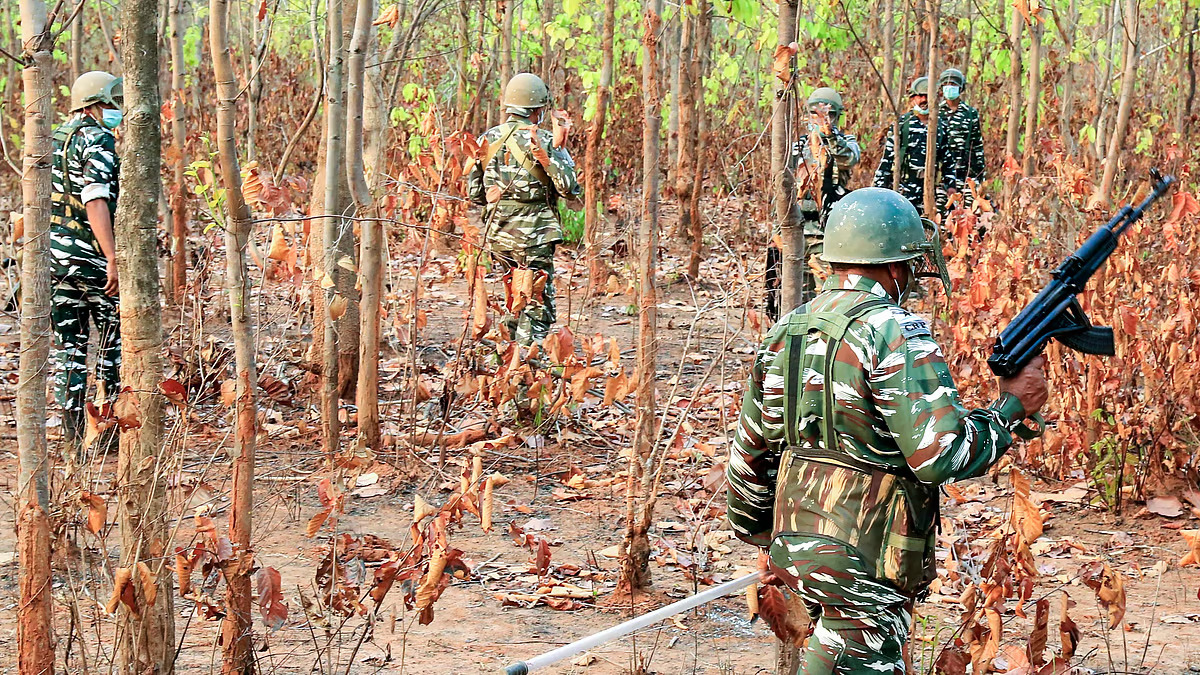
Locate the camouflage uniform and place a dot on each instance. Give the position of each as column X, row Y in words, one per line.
column 522, row 225
column 78, row 266
column 851, row 525
column 912, row 170
column 964, row 147
column 844, row 154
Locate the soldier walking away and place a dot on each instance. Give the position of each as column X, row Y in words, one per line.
column 964, row 136
column 907, row 158
column 82, row 248
column 822, row 161
column 850, row 422
column 519, row 182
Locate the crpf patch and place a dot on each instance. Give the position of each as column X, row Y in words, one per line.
column 914, row 326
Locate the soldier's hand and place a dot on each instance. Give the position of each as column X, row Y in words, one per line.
column 1029, row 386
column 111, row 286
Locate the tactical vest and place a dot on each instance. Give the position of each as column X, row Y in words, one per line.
column 885, row 513
column 508, row 144
column 67, row 210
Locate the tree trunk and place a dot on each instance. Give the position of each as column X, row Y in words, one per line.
column 370, row 260
column 675, row 62
column 699, row 66
column 335, row 120
column 77, row 47
column 635, row 564
column 147, row 642
column 506, row 44
column 463, row 17
column 260, row 31
column 1186, row 65
column 237, row 627
column 597, row 270
column 116, row 67
column 686, row 135
column 933, row 8
column 1103, row 85
column 177, row 262
column 1067, row 100
column 1015, row 25
column 787, row 211
column 547, row 7
column 1103, row 194
column 35, row 643
column 889, row 60
column 1033, row 98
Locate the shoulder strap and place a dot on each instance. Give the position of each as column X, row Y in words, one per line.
column 495, row 147
column 525, row 161
column 835, row 342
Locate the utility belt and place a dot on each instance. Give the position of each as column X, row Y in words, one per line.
column 885, row 513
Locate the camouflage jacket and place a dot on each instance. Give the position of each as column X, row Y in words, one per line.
column 964, row 142
column 88, row 150
column 912, row 164
column 524, row 213
column 844, row 151
column 896, row 407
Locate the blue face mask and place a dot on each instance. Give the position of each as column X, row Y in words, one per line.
column 111, row 117
column 919, row 110
column 951, row 91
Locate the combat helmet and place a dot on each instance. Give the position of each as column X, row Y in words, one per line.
column 919, row 86
column 953, row 75
column 526, row 90
column 826, row 95
column 876, row 226
column 97, row 86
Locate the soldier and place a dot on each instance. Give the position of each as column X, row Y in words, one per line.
column 964, row 134
column 518, row 182
column 850, row 422
column 822, row 161
column 82, row 249
column 914, row 126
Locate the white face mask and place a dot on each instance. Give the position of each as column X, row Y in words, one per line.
column 903, row 293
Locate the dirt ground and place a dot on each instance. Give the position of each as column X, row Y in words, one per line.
column 481, row 623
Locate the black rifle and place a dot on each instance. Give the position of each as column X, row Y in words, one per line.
column 1055, row 313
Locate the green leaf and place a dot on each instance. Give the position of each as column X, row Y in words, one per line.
column 570, row 7
column 410, row 92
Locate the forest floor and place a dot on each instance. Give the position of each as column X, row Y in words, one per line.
column 566, row 485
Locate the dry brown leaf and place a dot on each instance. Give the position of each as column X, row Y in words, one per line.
column 1026, row 518
column 337, row 306
column 228, row 393
column 486, row 508
column 1192, row 537
column 123, row 592
column 174, row 392
column 279, row 246
column 270, row 598
column 428, row 591
column 97, row 511
column 752, row 600
column 1036, row 648
column 1109, row 585
column 1068, row 632
column 782, row 63
column 127, row 410
column 421, row 510
column 1167, row 507
column 149, row 583
column 316, row 522
column 773, row 608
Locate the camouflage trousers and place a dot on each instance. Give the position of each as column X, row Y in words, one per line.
column 861, row 623
column 76, row 303
column 533, row 322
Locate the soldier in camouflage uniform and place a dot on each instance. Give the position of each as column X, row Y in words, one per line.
column 850, row 422
column 914, row 128
column 822, row 161
column 518, row 182
column 964, row 134
column 83, row 254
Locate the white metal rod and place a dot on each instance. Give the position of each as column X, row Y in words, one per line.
column 595, row 639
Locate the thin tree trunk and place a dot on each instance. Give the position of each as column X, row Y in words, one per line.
column 77, row 47
column 236, row 630
column 259, row 32
column 787, row 212
column 506, row 44
column 177, row 262
column 1103, row 86
column 635, row 564
column 698, row 67
column 547, row 7
column 1033, row 98
column 933, row 8
column 35, row 642
column 597, row 270
column 147, row 642
column 1016, row 24
column 1186, row 64
column 889, row 59
column 1103, row 194
column 117, row 66
column 1067, row 100
column 675, row 62
column 335, row 116
column 370, row 260
column 463, row 16
column 686, row 133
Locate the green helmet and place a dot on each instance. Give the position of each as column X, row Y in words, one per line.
column 826, row 95
column 953, row 75
column 876, row 226
column 526, row 90
column 919, row 87
column 97, row 86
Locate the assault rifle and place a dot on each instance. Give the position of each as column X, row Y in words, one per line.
column 1056, row 313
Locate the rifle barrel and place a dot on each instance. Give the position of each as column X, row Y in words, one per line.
column 620, row 630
